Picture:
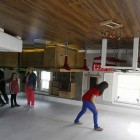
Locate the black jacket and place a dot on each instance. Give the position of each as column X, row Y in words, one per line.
column 32, row 80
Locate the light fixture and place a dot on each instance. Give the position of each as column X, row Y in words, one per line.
column 111, row 30
column 66, row 66
column 85, row 67
column 32, row 50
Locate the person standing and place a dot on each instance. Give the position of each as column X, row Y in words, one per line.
column 14, row 89
column 30, row 85
column 89, row 103
column 3, row 86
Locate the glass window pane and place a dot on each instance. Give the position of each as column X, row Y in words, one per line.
column 44, row 85
column 45, row 78
column 45, row 75
column 128, row 88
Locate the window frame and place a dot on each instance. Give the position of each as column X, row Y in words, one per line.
column 115, row 90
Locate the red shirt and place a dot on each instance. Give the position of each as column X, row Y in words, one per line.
column 88, row 95
column 14, row 86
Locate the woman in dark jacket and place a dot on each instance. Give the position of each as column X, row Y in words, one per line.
column 30, row 85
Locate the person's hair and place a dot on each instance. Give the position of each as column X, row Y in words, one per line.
column 31, row 68
column 12, row 75
column 102, row 86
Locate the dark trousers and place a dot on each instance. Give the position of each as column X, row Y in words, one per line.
column 13, row 99
column 88, row 105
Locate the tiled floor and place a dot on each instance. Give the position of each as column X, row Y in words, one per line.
column 54, row 121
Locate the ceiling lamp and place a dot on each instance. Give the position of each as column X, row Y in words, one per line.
column 85, row 67
column 111, row 30
column 33, row 50
column 66, row 66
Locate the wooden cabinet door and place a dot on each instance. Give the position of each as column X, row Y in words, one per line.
column 35, row 59
column 49, row 57
column 54, row 57
column 80, row 59
column 8, row 59
column 72, row 58
column 60, row 55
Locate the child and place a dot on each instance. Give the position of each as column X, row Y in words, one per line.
column 89, row 102
column 14, row 89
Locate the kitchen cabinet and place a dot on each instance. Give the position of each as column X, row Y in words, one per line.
column 35, row 59
column 54, row 58
column 8, row 59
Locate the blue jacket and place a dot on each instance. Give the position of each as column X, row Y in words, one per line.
column 32, row 80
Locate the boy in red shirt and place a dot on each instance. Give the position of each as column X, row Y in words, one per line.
column 89, row 103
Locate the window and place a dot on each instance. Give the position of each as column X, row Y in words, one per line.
column 127, row 88
column 36, row 79
column 45, row 78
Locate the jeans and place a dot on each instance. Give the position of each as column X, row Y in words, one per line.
column 88, row 105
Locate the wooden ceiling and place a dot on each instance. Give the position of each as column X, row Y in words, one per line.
column 77, row 21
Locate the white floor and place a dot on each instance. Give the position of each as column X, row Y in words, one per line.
column 54, row 121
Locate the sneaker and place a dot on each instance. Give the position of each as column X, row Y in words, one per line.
column 2, row 104
column 17, row 105
column 98, row 129
column 31, row 106
column 27, row 106
column 78, row 123
column 12, row 106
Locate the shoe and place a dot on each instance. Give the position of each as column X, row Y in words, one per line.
column 17, row 105
column 78, row 123
column 27, row 106
column 32, row 106
column 12, row 106
column 98, row 129
column 2, row 104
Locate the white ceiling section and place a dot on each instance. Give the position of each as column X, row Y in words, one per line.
column 10, row 43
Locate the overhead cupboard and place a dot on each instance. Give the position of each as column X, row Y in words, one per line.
column 52, row 58
column 9, row 59
column 120, row 54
